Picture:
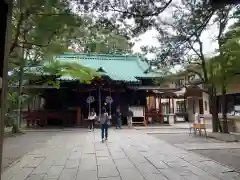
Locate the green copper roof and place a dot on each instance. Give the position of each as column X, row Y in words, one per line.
column 117, row 67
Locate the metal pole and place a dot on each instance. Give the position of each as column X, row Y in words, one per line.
column 7, row 20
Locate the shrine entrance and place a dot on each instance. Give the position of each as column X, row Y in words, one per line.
column 100, row 98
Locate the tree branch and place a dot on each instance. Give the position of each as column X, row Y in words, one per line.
column 30, row 44
column 52, row 14
column 192, row 48
column 235, row 73
column 159, row 11
column 18, row 31
column 196, row 33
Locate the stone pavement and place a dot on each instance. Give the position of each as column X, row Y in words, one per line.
column 15, row 147
column 128, row 155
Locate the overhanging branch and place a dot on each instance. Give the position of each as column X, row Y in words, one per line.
column 159, row 11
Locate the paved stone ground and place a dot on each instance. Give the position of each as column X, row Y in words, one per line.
column 15, row 147
column 225, row 153
column 128, row 155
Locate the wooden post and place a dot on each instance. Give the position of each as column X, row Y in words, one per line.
column 160, row 110
column 78, row 116
column 144, row 120
column 173, row 108
column 6, row 36
column 169, row 109
column 169, row 106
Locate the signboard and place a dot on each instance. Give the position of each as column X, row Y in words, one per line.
column 180, row 118
column 90, row 99
column 109, row 99
column 138, row 111
column 237, row 108
column 165, row 118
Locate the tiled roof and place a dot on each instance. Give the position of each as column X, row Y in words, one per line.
column 117, row 67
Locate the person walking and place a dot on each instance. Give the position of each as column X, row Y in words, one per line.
column 129, row 117
column 118, row 117
column 91, row 118
column 105, row 122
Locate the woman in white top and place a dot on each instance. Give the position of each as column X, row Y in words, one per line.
column 196, row 118
column 91, row 118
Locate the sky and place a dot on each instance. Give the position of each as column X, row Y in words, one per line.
column 149, row 39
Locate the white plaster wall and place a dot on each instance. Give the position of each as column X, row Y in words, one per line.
column 173, row 103
column 164, row 100
column 157, row 103
column 192, row 107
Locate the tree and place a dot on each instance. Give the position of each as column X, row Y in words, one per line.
column 222, row 19
column 36, row 25
column 42, row 29
column 98, row 37
column 144, row 13
column 225, row 65
column 180, row 43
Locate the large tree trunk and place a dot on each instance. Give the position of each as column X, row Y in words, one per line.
column 18, row 119
column 216, row 106
column 224, row 109
column 213, row 103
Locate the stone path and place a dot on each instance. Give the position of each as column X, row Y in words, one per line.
column 15, row 147
column 128, row 155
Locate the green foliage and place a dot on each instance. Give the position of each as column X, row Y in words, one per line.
column 72, row 70
column 227, row 64
column 42, row 29
column 38, row 27
column 12, row 106
column 143, row 12
column 95, row 37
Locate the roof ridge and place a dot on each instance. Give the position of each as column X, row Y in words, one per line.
column 98, row 54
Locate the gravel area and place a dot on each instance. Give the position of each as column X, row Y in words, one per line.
column 184, row 138
column 226, row 156
column 230, row 157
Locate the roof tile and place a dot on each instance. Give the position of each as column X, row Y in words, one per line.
column 117, row 67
